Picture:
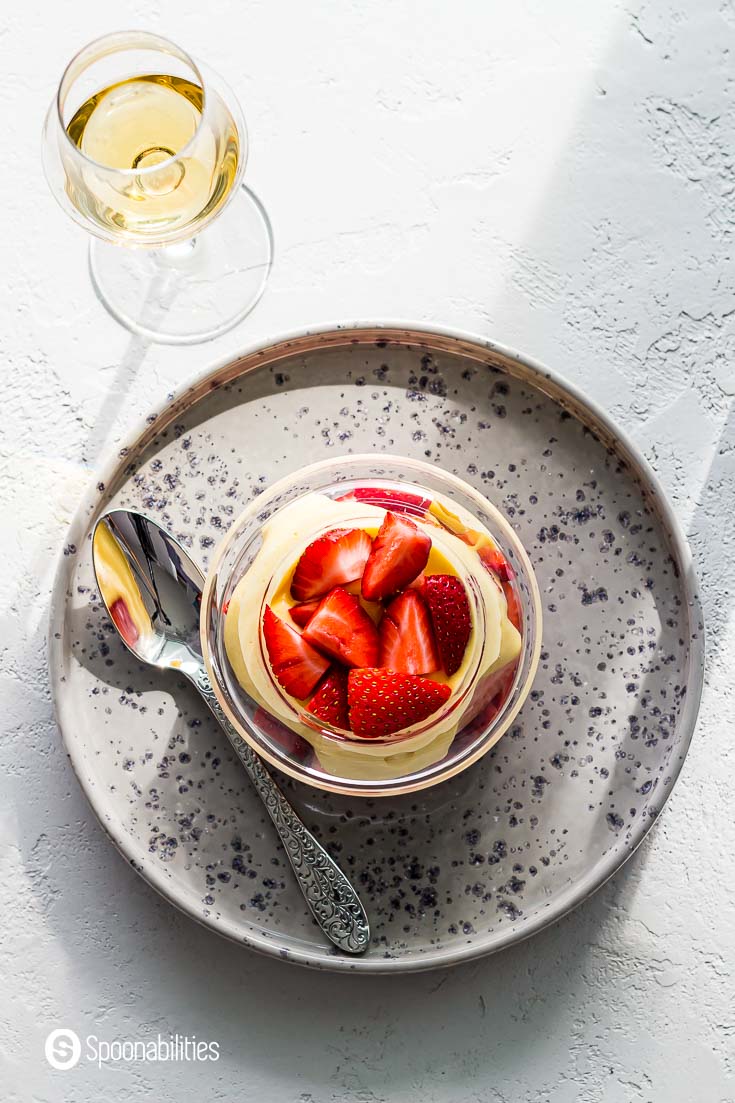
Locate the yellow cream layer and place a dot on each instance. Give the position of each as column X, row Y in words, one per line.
column 283, row 543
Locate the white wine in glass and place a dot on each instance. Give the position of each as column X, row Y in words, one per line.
column 145, row 148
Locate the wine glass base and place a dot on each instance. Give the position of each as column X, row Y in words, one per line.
column 193, row 291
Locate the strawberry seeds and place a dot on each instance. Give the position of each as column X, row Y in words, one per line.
column 372, row 638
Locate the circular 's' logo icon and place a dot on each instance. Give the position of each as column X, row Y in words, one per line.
column 63, row 1049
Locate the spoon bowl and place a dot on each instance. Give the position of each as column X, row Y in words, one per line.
column 151, row 589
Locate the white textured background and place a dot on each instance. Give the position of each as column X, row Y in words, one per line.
column 560, row 176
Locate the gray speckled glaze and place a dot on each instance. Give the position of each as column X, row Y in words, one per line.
column 496, row 853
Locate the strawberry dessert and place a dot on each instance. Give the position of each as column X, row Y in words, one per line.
column 377, row 626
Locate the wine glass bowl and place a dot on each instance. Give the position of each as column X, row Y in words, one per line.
column 142, row 144
column 145, row 147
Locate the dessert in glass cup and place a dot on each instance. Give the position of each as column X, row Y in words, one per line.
column 371, row 623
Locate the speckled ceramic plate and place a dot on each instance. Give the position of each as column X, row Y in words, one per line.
column 498, row 852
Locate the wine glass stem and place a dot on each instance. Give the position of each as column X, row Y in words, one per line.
column 178, row 255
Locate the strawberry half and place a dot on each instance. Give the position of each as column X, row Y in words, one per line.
column 382, row 702
column 514, row 606
column 406, row 637
column 446, row 598
column 124, row 622
column 342, row 628
column 302, row 614
column 402, row 501
column 283, row 737
column 295, row 663
column 400, row 551
column 494, row 560
column 329, row 703
column 331, row 560
column 490, row 696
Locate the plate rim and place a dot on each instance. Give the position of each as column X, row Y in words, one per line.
column 113, row 465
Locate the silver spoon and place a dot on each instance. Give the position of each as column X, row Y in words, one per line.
column 152, row 591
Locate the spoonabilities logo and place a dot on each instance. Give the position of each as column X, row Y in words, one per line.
column 63, row 1049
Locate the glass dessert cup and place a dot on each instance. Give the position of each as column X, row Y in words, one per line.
column 256, row 559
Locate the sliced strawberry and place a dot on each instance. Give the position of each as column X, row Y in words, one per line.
column 400, row 551
column 490, row 696
column 342, row 628
column 406, row 637
column 329, row 703
column 283, row 737
column 124, row 622
column 514, row 605
column 296, row 664
column 447, row 600
column 331, row 560
column 494, row 560
column 382, row 702
column 401, row 501
column 302, row 614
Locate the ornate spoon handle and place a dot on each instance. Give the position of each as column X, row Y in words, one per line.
column 331, row 898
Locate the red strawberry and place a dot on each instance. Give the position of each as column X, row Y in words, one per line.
column 514, row 606
column 489, row 697
column 296, row 664
column 329, row 703
column 342, row 628
column 446, row 598
column 406, row 636
column 283, row 738
column 400, row 551
column 302, row 614
column 402, row 501
column 494, row 560
column 382, row 702
column 331, row 560
column 124, row 622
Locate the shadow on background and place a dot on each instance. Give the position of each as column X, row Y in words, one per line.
column 711, row 530
column 117, row 393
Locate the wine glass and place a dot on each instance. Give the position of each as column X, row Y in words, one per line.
column 145, row 147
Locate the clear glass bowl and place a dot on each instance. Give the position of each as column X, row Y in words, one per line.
column 282, row 731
